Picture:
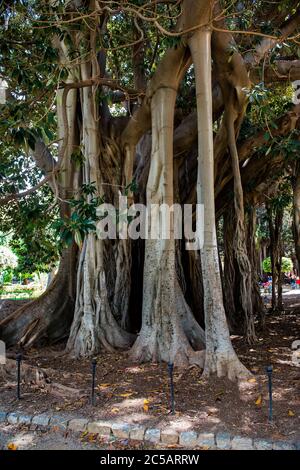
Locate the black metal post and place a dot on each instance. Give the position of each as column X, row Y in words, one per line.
column 172, row 402
column 94, row 363
column 18, row 360
column 269, row 370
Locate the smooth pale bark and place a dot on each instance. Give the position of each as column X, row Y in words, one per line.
column 167, row 323
column 220, row 356
column 233, row 78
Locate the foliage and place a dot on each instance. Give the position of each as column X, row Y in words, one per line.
column 31, row 68
column 286, row 267
column 7, row 276
column 83, row 218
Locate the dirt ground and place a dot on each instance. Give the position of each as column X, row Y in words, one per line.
column 140, row 393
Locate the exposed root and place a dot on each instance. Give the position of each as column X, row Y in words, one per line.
column 225, row 363
column 46, row 319
column 94, row 326
column 179, row 352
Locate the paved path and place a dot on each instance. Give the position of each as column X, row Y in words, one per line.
column 38, row 440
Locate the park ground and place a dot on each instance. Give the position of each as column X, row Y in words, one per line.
column 136, row 393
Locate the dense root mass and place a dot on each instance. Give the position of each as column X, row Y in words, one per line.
column 48, row 318
column 169, row 332
column 94, row 326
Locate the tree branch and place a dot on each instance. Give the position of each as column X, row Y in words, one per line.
column 12, row 196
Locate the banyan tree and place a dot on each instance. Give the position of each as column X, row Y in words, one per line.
column 150, row 99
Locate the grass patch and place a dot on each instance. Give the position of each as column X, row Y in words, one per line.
column 20, row 292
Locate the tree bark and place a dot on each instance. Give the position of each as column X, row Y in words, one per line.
column 47, row 319
column 234, row 80
column 220, row 357
column 275, row 219
column 229, row 274
column 168, row 327
column 94, row 325
column 258, row 306
column 296, row 211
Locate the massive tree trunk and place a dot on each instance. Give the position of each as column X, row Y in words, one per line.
column 48, row 318
column 168, row 328
column 233, row 79
column 94, row 324
column 220, row 356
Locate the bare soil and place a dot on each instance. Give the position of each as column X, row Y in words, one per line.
column 138, row 393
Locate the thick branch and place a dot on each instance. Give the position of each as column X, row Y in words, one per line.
column 264, row 46
column 281, row 70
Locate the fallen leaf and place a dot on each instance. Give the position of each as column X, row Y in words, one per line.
column 291, row 413
column 126, row 395
column 259, row 401
column 115, row 410
column 12, row 446
column 146, row 406
column 252, row 380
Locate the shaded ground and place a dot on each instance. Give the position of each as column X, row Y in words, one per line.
column 140, row 393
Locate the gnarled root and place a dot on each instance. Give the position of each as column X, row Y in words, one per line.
column 48, row 318
column 94, row 326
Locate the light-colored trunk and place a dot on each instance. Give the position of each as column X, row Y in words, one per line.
column 166, row 318
column 220, row 356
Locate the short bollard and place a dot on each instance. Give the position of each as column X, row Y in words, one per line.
column 19, row 360
column 172, row 403
column 94, row 364
column 269, row 370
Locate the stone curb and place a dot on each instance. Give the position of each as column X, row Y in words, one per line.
column 187, row 439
